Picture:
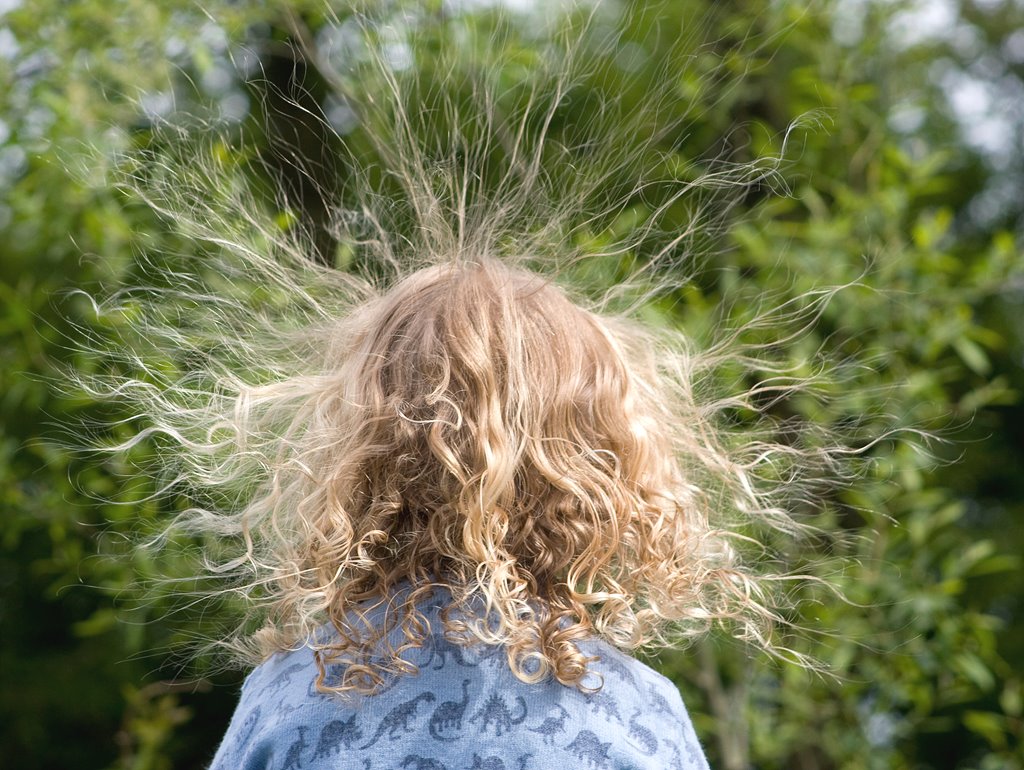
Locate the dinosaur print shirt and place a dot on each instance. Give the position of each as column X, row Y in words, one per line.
column 464, row 710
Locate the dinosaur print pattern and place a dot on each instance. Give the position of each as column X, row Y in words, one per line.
column 675, row 756
column 657, row 700
column 415, row 762
column 612, row 663
column 588, row 747
column 693, row 752
column 335, row 734
column 603, row 703
column 463, row 710
column 291, row 759
column 397, row 720
column 496, row 763
column 248, row 727
column 283, row 679
column 446, row 721
column 644, row 737
column 552, row 726
column 443, row 649
column 495, row 712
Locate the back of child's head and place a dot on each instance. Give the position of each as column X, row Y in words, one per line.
column 479, row 431
column 436, row 418
column 472, row 429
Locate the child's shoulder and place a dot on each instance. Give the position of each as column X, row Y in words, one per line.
column 281, row 670
column 634, row 682
column 462, row 699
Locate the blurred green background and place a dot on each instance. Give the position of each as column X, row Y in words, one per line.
column 909, row 179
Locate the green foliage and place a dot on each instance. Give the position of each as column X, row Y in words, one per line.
column 924, row 657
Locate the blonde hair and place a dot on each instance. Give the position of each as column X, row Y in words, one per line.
column 456, row 417
column 473, row 429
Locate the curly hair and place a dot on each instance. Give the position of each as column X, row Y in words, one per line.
column 462, row 420
column 475, row 430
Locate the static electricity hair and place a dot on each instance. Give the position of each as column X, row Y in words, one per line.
column 478, row 431
column 457, row 410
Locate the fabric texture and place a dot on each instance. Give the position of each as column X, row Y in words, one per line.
column 464, row 710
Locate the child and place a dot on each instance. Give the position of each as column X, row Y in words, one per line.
column 488, row 505
column 458, row 494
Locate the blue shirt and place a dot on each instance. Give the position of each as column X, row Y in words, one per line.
column 464, row 710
